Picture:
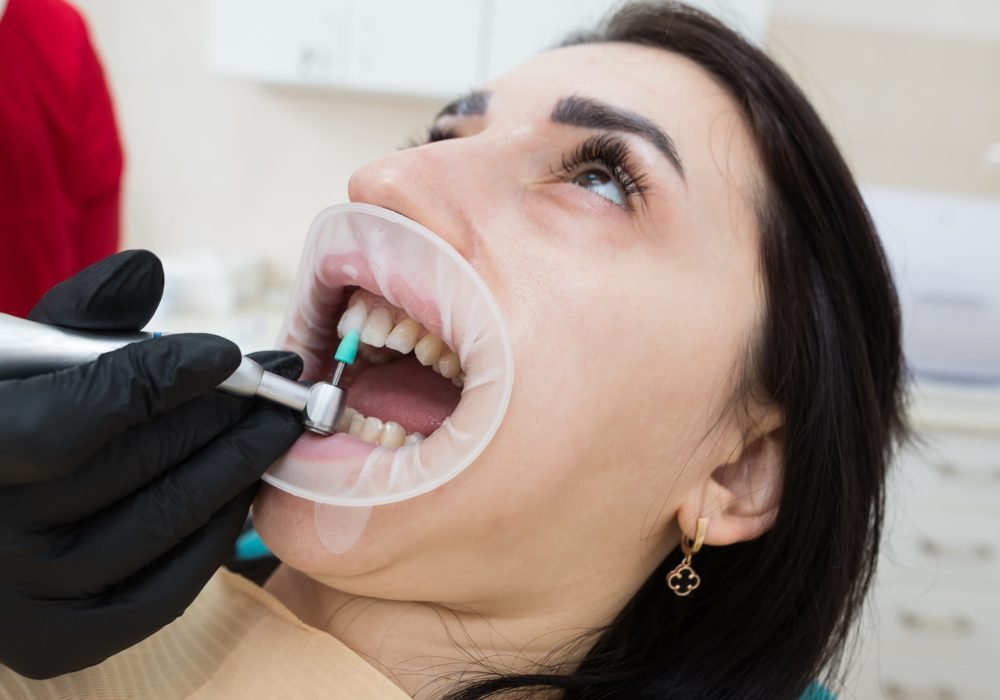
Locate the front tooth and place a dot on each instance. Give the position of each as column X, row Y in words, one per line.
column 344, row 422
column 428, row 349
column 370, row 430
column 448, row 366
column 404, row 336
column 392, row 435
column 377, row 327
column 459, row 381
column 414, row 439
column 357, row 423
column 353, row 319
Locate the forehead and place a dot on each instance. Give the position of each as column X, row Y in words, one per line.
column 671, row 90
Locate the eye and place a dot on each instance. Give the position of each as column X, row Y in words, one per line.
column 603, row 165
column 602, row 183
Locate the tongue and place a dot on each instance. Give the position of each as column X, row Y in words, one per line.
column 404, row 391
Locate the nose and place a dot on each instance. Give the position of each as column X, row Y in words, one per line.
column 434, row 185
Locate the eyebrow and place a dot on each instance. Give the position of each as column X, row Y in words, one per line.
column 584, row 112
column 594, row 114
column 473, row 104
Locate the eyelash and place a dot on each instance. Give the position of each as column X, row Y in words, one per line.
column 613, row 154
column 607, row 150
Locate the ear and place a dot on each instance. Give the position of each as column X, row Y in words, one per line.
column 740, row 497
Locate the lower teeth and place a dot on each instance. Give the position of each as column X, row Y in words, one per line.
column 375, row 431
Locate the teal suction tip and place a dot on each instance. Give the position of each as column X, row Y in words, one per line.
column 348, row 348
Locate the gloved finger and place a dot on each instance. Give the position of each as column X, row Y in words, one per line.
column 124, row 465
column 123, row 539
column 89, row 405
column 135, row 458
column 138, row 606
column 118, row 293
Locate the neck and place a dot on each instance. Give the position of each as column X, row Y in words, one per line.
column 427, row 649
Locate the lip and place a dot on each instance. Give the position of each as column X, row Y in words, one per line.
column 388, row 255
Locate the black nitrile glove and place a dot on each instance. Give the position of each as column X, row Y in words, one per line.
column 123, row 482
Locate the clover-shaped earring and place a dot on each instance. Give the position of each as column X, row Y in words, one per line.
column 682, row 579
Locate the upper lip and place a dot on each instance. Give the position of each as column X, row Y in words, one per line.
column 367, row 260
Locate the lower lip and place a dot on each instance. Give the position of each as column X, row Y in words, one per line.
column 340, row 447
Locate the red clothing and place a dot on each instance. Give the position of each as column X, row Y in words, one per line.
column 60, row 157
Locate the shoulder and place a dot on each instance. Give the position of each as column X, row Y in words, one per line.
column 53, row 40
column 54, row 17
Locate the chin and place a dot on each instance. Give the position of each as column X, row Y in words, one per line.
column 288, row 526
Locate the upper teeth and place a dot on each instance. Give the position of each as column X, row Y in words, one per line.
column 383, row 326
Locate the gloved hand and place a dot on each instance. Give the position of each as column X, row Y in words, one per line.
column 123, row 482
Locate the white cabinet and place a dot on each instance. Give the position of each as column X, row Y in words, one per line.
column 436, row 48
column 425, row 48
column 933, row 630
column 519, row 29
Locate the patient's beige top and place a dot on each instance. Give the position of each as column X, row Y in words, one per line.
column 235, row 641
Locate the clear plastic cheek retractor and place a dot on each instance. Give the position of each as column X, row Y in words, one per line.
column 366, row 267
column 28, row 348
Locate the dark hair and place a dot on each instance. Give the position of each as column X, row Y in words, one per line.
column 774, row 613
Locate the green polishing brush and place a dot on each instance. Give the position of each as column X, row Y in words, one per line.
column 346, row 353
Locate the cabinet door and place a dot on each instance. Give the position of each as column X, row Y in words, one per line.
column 431, row 47
column 290, row 42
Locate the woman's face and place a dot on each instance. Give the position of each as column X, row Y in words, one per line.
column 603, row 192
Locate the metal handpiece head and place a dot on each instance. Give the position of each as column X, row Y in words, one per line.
column 321, row 404
column 324, row 407
column 327, row 401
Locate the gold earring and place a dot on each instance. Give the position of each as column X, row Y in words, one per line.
column 683, row 579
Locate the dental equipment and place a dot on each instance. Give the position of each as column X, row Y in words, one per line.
column 28, row 348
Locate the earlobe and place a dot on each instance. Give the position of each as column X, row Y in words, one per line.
column 740, row 498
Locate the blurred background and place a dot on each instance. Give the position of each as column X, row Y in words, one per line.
column 242, row 119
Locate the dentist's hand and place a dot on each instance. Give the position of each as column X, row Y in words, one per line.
column 123, row 482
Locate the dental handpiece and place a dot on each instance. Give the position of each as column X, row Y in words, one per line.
column 28, row 348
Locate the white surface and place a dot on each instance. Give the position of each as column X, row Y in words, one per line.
column 432, row 48
column 945, row 252
column 252, row 326
column 227, row 163
column 212, row 280
column 519, row 29
column 933, row 625
column 422, row 48
column 974, row 18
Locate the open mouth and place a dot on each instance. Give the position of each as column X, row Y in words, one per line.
column 406, row 380
column 434, row 371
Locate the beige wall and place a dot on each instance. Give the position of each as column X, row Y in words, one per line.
column 214, row 162
column 913, row 110
column 221, row 162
